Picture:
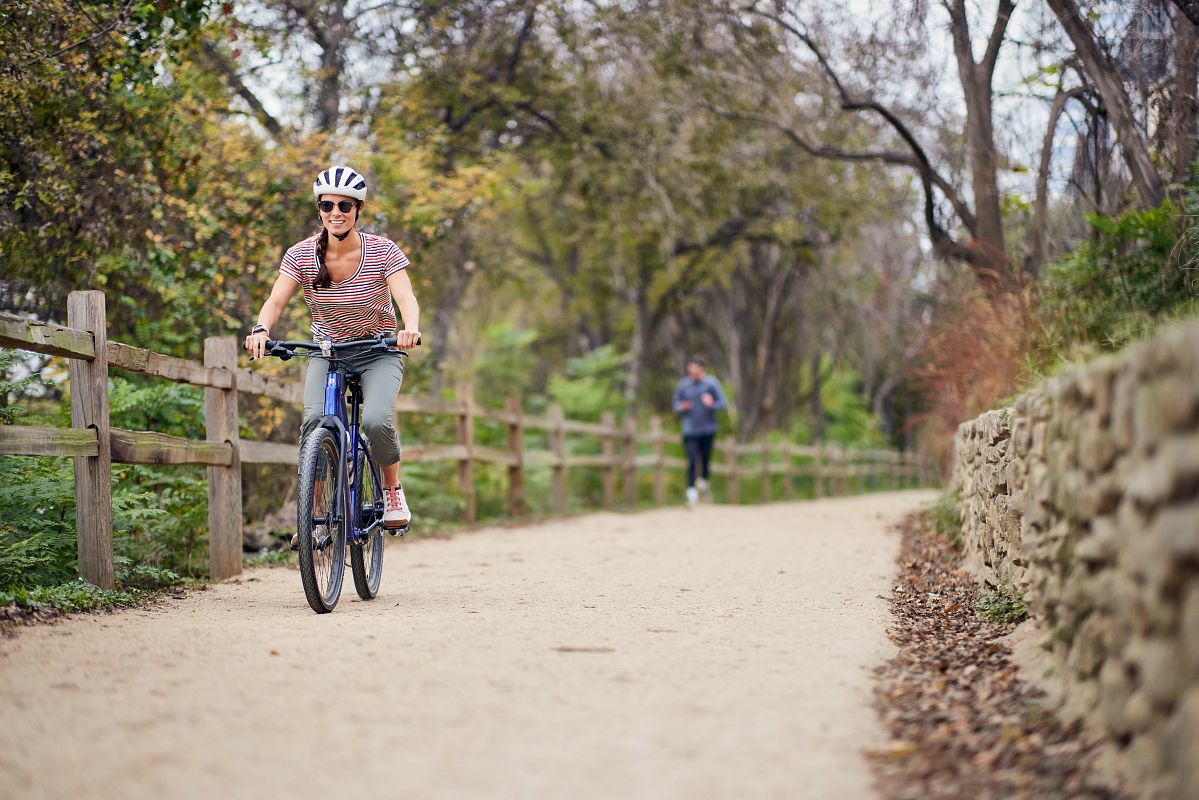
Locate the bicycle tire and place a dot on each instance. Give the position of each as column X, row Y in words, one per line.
column 322, row 558
column 366, row 559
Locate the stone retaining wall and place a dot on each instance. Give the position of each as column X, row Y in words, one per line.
column 1086, row 495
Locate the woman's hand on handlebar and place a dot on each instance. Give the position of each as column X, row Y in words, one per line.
column 256, row 344
column 406, row 339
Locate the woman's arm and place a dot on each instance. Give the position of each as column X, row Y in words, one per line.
column 281, row 293
column 401, row 291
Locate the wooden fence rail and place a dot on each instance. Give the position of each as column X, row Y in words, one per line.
column 94, row 445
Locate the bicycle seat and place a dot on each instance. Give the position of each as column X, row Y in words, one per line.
column 353, row 378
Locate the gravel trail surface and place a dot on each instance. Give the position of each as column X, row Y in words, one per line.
column 718, row 653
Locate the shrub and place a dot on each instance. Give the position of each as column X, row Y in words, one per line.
column 943, row 517
column 1126, row 280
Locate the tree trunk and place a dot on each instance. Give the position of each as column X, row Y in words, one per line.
column 1106, row 79
column 1185, row 108
column 331, row 39
column 817, row 397
column 637, row 354
column 976, row 79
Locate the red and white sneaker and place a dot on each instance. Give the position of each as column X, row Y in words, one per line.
column 395, row 509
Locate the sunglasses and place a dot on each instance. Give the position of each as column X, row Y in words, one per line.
column 345, row 206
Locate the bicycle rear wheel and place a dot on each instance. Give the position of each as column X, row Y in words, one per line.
column 366, row 557
column 319, row 521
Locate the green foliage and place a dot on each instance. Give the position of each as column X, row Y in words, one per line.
column 88, row 133
column 174, row 534
column 146, row 577
column 159, row 513
column 1002, row 605
column 37, row 519
column 73, row 596
column 847, row 420
column 591, row 384
column 505, row 362
column 1127, row 279
column 11, row 388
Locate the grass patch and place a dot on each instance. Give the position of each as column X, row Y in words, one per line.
column 135, row 583
column 74, row 596
column 943, row 518
column 1001, row 606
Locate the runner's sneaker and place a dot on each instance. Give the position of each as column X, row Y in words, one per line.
column 396, row 513
column 703, row 487
column 692, row 496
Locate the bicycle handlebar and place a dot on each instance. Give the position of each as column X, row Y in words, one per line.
column 285, row 350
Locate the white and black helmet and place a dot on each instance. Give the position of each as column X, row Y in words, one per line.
column 340, row 180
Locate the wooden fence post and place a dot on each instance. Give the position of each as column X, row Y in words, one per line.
column 655, row 429
column 558, row 448
column 630, row 459
column 842, row 471
column 609, row 475
column 734, row 473
column 466, row 438
column 766, row 488
column 516, row 472
column 93, row 474
column 818, row 470
column 224, row 483
column 788, row 479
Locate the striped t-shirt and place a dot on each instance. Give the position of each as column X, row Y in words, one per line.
column 357, row 307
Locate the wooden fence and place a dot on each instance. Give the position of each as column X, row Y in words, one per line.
column 95, row 445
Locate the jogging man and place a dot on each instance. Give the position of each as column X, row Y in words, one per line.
column 697, row 399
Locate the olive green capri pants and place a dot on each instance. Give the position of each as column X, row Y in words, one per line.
column 382, row 373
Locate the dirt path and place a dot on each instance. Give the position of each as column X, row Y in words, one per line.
column 719, row 653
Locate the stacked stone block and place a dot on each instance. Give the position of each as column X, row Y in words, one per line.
column 1086, row 494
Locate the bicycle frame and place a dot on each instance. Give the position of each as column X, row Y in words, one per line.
column 335, row 416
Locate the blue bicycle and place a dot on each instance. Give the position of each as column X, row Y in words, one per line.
column 340, row 500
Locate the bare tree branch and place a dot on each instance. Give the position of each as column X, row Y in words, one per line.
column 998, row 31
column 235, row 82
column 1105, row 76
column 525, row 30
column 1036, row 235
column 943, row 242
column 122, row 17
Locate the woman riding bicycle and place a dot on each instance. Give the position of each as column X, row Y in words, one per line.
column 350, row 279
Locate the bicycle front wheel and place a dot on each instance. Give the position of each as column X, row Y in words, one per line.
column 366, row 557
column 320, row 522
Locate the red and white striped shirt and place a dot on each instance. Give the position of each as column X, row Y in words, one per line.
column 357, row 307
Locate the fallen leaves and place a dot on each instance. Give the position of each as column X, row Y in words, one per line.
column 963, row 723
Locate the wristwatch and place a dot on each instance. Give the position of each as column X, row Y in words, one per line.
column 260, row 329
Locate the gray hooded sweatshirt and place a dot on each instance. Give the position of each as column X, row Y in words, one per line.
column 699, row 420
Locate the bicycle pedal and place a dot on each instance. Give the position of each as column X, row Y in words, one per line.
column 397, row 531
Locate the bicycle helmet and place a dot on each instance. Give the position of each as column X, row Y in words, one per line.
column 340, row 180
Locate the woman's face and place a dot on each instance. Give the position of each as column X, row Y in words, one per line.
column 336, row 220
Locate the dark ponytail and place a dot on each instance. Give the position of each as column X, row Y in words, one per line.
column 322, row 276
